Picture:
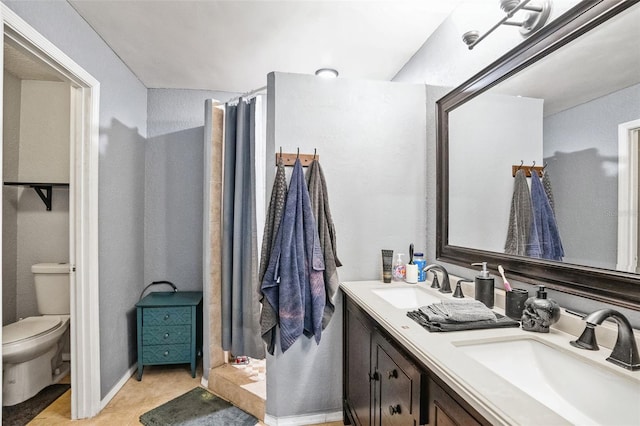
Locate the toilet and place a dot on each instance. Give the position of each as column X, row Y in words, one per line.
column 32, row 347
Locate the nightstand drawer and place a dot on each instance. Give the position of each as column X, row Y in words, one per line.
column 166, row 334
column 174, row 315
column 166, row 353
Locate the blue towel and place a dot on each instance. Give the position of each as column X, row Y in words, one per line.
column 544, row 228
column 293, row 283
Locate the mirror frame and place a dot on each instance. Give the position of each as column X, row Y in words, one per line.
column 610, row 286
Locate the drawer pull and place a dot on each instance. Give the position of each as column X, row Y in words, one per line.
column 394, row 409
column 166, row 353
column 166, row 317
column 393, row 374
column 166, row 335
column 374, row 377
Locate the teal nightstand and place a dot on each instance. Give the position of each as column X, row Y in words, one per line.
column 169, row 329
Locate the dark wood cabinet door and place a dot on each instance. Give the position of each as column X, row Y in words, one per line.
column 358, row 374
column 445, row 411
column 394, row 393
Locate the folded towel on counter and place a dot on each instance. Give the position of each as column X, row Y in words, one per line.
column 434, row 326
column 455, row 311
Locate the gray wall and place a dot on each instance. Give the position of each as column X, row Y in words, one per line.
column 11, row 155
column 581, row 148
column 370, row 137
column 123, row 128
column 43, row 236
column 444, row 61
column 173, row 185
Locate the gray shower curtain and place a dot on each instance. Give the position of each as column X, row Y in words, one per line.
column 240, row 286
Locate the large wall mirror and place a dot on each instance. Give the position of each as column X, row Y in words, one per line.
column 567, row 99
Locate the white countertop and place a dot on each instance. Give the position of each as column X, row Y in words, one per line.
column 500, row 402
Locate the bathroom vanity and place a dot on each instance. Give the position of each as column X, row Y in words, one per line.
column 385, row 385
column 396, row 372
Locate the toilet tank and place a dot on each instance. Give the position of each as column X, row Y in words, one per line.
column 52, row 288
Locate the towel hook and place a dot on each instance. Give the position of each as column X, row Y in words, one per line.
column 314, row 153
column 521, row 164
column 545, row 166
column 298, row 153
column 280, row 152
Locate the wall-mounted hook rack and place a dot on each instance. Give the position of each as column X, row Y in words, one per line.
column 526, row 169
column 289, row 159
column 44, row 190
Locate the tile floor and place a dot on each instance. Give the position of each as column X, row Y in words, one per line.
column 159, row 384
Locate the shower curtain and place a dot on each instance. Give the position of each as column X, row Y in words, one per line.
column 240, row 286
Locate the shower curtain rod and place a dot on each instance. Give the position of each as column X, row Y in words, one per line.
column 254, row 92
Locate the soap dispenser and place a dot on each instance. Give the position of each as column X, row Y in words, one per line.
column 540, row 312
column 484, row 286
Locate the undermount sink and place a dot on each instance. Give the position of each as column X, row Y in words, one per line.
column 406, row 297
column 576, row 388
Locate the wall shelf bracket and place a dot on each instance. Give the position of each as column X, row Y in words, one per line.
column 44, row 190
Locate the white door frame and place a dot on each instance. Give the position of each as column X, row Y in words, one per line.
column 83, row 211
column 628, row 151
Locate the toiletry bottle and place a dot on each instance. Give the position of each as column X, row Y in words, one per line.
column 399, row 268
column 484, row 286
column 540, row 312
column 418, row 259
column 411, row 272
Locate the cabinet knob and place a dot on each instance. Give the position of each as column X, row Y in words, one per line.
column 394, row 409
column 393, row 374
column 374, row 377
column 166, row 353
column 166, row 317
column 166, row 335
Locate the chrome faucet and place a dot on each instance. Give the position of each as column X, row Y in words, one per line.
column 625, row 351
column 446, row 286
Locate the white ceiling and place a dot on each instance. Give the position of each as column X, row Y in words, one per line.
column 598, row 63
column 231, row 45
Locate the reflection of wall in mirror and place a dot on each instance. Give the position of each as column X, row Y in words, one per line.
column 581, row 149
column 486, row 137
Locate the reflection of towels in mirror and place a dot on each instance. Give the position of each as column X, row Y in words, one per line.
column 519, row 217
column 544, row 228
column 546, row 183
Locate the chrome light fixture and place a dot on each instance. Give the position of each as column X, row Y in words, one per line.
column 535, row 18
column 327, row 73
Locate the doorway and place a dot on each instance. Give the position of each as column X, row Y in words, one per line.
column 628, row 187
column 40, row 55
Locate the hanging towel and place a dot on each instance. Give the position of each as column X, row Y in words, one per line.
column 327, row 233
column 545, row 226
column 546, row 183
column 269, row 313
column 293, row 282
column 519, row 218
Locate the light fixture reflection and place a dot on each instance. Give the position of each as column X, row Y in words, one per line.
column 327, row 73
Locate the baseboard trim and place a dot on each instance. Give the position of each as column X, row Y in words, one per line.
column 115, row 389
column 309, row 419
column 204, row 382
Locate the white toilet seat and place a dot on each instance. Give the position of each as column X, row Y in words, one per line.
column 28, row 328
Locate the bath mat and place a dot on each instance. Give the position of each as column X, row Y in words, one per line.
column 23, row 413
column 197, row 407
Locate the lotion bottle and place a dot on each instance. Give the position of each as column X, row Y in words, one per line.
column 484, row 286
